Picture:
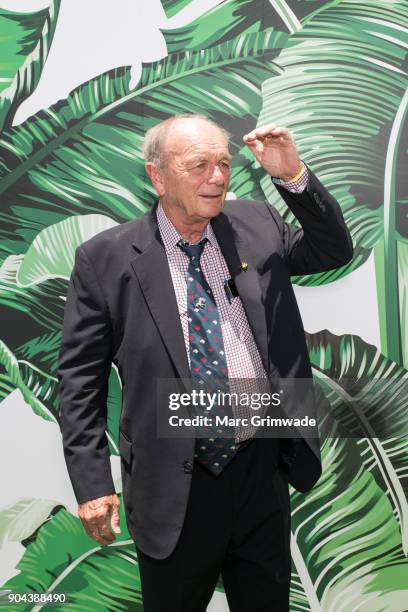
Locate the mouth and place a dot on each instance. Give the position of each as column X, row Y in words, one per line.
column 211, row 197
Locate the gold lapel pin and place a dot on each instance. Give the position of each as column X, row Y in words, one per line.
column 244, row 266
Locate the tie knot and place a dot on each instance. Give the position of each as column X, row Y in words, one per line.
column 193, row 251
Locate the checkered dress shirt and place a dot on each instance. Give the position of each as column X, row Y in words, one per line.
column 242, row 354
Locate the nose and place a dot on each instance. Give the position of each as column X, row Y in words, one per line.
column 217, row 176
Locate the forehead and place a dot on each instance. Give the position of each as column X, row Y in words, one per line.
column 195, row 136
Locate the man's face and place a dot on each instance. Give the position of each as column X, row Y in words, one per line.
column 193, row 181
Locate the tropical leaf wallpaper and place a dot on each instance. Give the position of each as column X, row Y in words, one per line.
column 335, row 72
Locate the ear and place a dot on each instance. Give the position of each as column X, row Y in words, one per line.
column 156, row 177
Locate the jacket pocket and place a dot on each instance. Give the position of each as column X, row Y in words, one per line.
column 125, row 447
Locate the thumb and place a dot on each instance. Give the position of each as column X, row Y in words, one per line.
column 114, row 518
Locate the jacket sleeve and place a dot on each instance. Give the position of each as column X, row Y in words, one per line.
column 323, row 241
column 83, row 373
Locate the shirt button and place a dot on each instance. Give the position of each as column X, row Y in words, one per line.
column 188, row 467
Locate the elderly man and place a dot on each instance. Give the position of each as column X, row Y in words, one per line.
column 196, row 288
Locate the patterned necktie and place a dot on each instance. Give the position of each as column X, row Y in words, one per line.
column 207, row 357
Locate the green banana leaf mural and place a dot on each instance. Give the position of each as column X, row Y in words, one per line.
column 335, row 73
column 28, row 40
column 354, row 132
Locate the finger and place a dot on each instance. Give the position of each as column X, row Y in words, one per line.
column 258, row 133
column 95, row 534
column 278, row 134
column 281, row 131
column 256, row 148
column 100, row 522
column 249, row 137
column 100, row 532
column 254, row 145
column 104, row 541
column 106, row 535
column 268, row 135
column 114, row 518
column 261, row 132
column 271, row 140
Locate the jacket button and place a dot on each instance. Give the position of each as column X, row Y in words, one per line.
column 188, row 467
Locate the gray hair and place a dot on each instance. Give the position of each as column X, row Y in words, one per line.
column 155, row 137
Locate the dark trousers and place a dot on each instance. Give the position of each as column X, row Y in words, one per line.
column 236, row 525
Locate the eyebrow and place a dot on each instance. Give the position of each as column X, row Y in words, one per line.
column 198, row 157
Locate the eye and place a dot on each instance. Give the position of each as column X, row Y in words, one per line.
column 224, row 165
column 200, row 167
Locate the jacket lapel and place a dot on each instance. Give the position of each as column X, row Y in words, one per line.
column 152, row 270
column 235, row 249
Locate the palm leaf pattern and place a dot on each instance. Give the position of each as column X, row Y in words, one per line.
column 34, row 45
column 335, row 73
column 367, row 396
column 339, row 93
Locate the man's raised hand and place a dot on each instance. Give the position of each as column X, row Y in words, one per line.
column 275, row 149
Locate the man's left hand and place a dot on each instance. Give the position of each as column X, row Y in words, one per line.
column 275, row 149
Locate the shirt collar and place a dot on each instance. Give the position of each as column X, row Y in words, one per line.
column 170, row 235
